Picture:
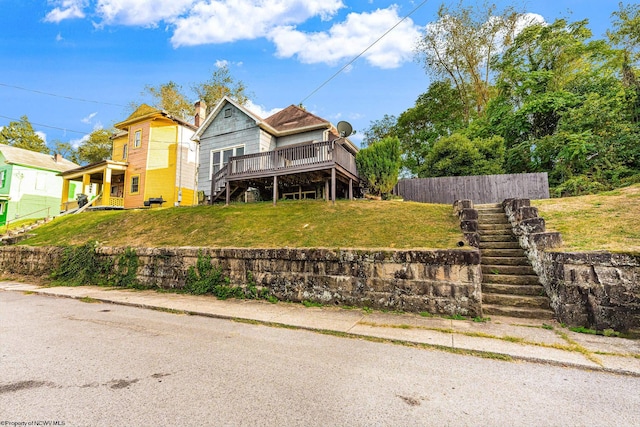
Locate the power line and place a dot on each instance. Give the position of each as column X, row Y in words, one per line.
column 87, row 133
column 363, row 52
column 46, row 126
column 60, row 96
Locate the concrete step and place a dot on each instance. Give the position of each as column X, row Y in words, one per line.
column 489, row 227
column 500, row 288
column 504, row 231
column 492, row 219
column 520, row 312
column 504, row 260
column 511, row 279
column 497, row 238
column 526, row 270
column 524, row 301
column 499, row 245
column 492, row 211
column 489, row 206
column 502, row 252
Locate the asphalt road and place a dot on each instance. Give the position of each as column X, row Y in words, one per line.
column 86, row 364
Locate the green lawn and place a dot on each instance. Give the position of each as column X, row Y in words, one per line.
column 296, row 224
column 607, row 221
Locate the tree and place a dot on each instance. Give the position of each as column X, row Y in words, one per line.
column 626, row 30
column 169, row 97
column 96, row 148
column 379, row 164
column 20, row 134
column 460, row 46
column 219, row 85
column 65, row 150
column 457, row 155
column 547, row 72
column 436, row 113
column 380, row 129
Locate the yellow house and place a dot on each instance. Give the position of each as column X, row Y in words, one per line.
column 153, row 163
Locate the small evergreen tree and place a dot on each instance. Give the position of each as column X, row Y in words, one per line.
column 379, row 165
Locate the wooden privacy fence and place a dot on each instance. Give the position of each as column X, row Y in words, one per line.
column 479, row 189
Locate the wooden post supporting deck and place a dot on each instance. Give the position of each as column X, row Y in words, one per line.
column 326, row 190
column 333, row 185
column 275, row 189
column 350, row 188
column 228, row 195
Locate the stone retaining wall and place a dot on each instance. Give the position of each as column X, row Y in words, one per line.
column 439, row 281
column 597, row 290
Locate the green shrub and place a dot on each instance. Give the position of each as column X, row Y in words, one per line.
column 379, row 165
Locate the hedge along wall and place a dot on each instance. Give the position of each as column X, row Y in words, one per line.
column 598, row 290
column 439, row 281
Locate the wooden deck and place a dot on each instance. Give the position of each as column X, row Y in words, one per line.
column 328, row 156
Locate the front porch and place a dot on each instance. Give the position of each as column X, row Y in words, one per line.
column 102, row 182
column 290, row 172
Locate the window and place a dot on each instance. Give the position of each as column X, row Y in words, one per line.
column 137, row 139
column 219, row 158
column 135, row 184
column 2, row 208
column 3, row 177
column 227, row 112
column 124, row 151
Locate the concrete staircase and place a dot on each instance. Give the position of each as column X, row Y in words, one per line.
column 510, row 286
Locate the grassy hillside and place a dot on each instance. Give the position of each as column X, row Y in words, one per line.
column 607, row 221
column 357, row 224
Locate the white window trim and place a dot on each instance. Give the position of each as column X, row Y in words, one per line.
column 221, row 150
column 137, row 143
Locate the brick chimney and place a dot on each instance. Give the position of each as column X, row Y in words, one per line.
column 201, row 113
column 57, row 157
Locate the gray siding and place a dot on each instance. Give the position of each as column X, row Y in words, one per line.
column 223, row 132
column 312, row 136
column 267, row 141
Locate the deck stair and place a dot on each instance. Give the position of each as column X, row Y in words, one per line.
column 510, row 286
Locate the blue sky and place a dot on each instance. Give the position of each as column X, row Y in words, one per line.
column 283, row 50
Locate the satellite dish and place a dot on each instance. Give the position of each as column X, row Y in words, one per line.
column 344, row 129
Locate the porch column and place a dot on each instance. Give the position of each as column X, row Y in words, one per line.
column 333, row 185
column 106, row 186
column 65, row 194
column 275, row 189
column 228, row 194
column 350, row 188
column 86, row 182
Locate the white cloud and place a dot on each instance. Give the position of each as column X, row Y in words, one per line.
column 88, row 118
column 41, row 135
column 198, row 22
column 59, row 37
column 75, row 143
column 349, row 38
column 221, row 63
column 260, row 110
column 225, row 21
column 66, row 9
column 145, row 13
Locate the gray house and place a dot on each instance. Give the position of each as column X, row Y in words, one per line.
column 291, row 154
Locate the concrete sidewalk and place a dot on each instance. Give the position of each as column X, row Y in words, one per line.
column 499, row 337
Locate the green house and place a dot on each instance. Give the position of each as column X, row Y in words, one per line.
column 30, row 186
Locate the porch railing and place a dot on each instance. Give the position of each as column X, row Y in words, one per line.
column 300, row 157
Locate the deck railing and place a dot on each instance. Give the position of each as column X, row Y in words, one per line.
column 300, row 157
column 219, row 179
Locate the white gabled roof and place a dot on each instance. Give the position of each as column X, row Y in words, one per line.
column 20, row 156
